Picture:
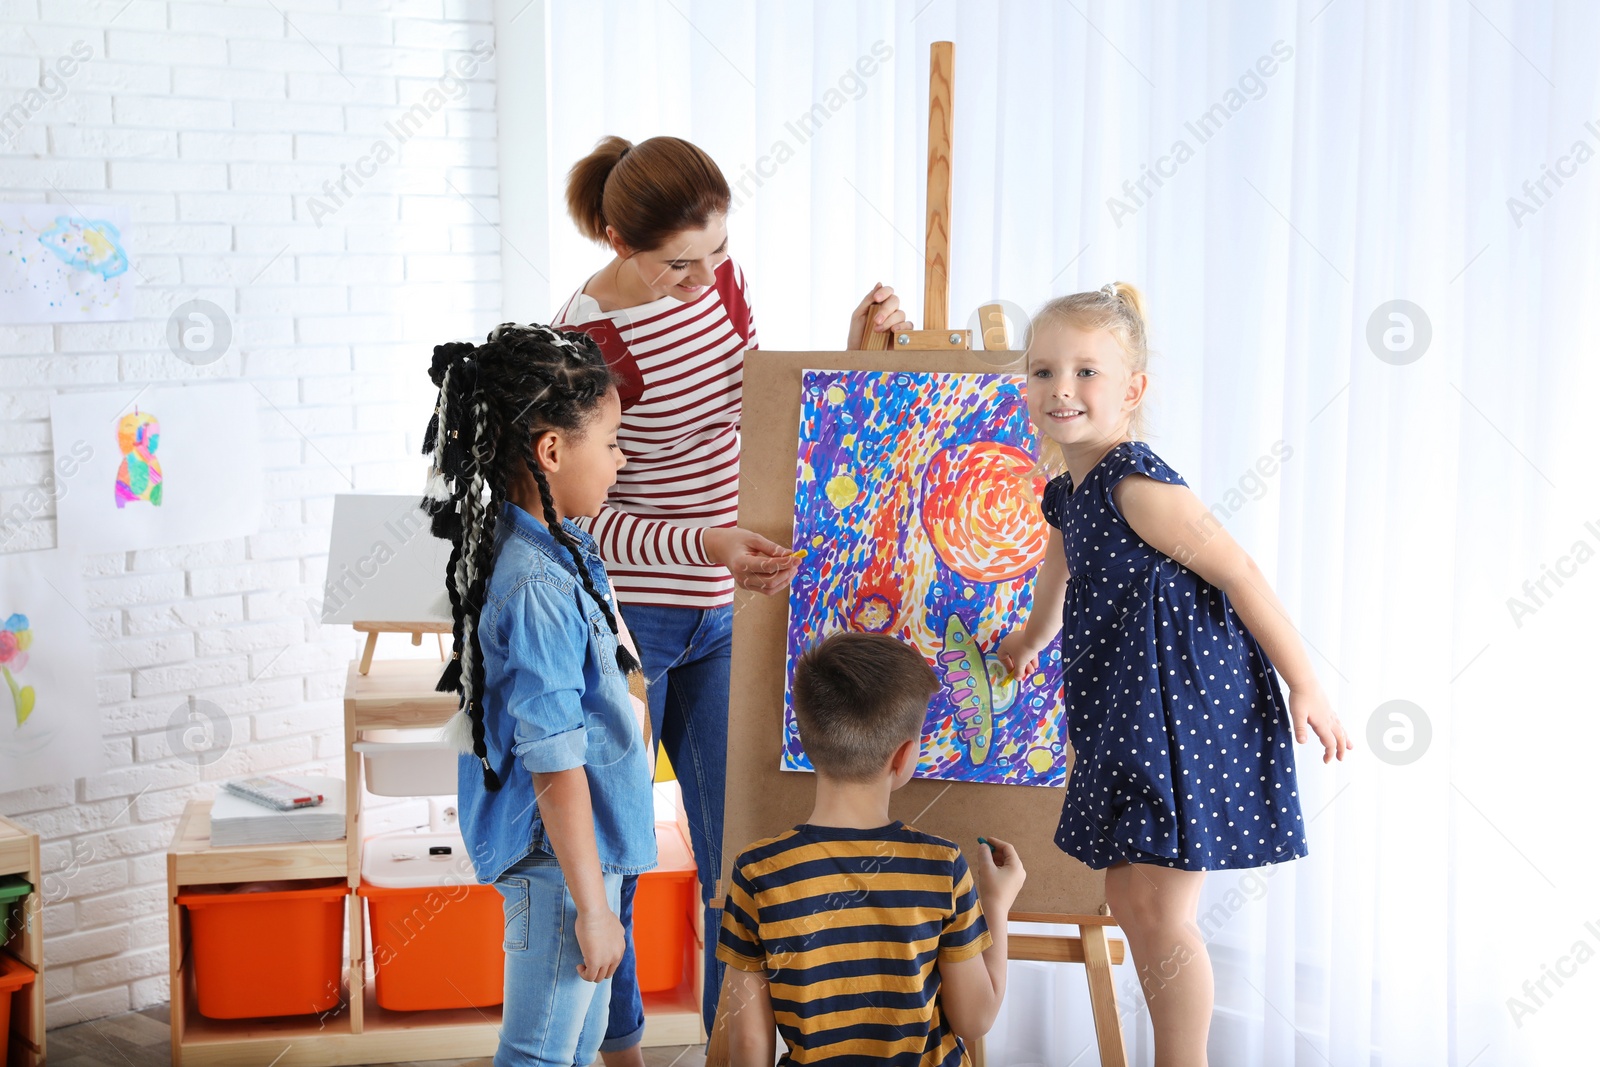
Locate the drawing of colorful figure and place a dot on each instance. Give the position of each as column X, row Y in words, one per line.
column 15, row 639
column 917, row 499
column 139, row 475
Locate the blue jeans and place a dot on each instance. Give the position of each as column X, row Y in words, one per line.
column 685, row 655
column 551, row 1018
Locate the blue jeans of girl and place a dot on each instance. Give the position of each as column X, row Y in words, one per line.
column 685, row 656
column 552, row 1017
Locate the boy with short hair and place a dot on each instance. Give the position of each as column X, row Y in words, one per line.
column 858, row 938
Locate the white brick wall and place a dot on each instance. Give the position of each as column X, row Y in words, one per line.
column 214, row 124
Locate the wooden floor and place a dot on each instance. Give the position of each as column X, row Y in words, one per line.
column 141, row 1039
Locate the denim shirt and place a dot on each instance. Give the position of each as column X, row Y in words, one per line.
column 554, row 699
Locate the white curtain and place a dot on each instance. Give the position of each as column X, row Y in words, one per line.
column 1415, row 479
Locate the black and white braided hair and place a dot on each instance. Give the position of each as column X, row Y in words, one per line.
column 494, row 398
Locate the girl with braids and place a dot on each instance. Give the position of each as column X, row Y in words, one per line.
column 554, row 790
column 672, row 313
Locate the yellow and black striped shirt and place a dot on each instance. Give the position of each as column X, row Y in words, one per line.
column 850, row 926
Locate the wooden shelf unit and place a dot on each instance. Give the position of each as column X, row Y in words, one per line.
column 394, row 694
column 399, row 694
column 19, row 854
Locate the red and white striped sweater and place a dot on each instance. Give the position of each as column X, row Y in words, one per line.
column 682, row 365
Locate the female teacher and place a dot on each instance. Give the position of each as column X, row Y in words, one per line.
column 672, row 313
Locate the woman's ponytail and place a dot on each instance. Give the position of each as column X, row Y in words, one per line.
column 586, row 186
column 645, row 192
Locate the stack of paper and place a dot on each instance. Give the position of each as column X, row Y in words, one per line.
column 237, row 821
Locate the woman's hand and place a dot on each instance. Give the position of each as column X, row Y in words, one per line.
column 1018, row 655
column 600, row 940
column 887, row 318
column 1310, row 710
column 756, row 564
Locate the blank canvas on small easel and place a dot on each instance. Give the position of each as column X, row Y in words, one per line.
column 386, row 570
column 384, row 564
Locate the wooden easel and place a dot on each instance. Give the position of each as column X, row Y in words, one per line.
column 1091, row 946
column 415, row 629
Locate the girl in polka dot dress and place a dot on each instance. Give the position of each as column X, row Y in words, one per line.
column 1181, row 736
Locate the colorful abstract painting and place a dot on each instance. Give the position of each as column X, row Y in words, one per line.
column 139, row 474
column 917, row 501
column 60, row 264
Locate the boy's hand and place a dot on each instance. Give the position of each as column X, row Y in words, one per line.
column 600, row 940
column 1018, row 655
column 999, row 874
column 1311, row 711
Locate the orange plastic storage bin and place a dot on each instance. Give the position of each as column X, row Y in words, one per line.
column 438, row 935
column 267, row 948
column 14, row 974
column 663, row 912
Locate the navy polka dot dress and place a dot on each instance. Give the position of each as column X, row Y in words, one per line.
column 1182, row 739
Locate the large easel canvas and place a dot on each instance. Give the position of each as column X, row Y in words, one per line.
column 762, row 802
column 917, row 499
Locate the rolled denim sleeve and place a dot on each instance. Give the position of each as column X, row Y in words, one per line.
column 546, row 641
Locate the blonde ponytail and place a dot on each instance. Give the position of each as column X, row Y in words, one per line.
column 1130, row 295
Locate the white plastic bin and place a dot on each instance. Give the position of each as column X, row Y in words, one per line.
column 407, row 763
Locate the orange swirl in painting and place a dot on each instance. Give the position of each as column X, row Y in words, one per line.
column 981, row 511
